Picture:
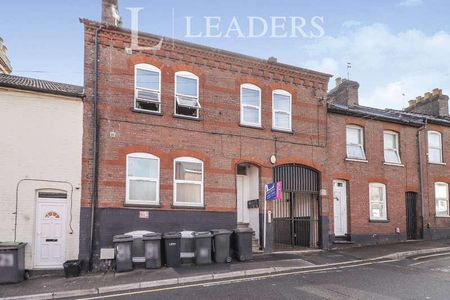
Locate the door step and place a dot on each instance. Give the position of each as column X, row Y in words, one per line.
column 255, row 246
column 243, row 225
column 342, row 242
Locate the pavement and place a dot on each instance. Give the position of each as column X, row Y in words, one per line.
column 53, row 286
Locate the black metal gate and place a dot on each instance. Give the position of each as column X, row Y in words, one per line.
column 296, row 216
column 411, row 223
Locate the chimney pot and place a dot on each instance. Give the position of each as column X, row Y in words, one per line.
column 427, row 95
column 437, row 92
column 110, row 12
column 338, row 81
column 411, row 102
column 272, row 59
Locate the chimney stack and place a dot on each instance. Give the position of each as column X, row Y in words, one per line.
column 433, row 103
column 5, row 64
column 110, row 12
column 345, row 92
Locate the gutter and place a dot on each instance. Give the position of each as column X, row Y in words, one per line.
column 95, row 152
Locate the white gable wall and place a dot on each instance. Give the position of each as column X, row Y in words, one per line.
column 40, row 147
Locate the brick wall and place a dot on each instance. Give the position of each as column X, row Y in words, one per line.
column 217, row 138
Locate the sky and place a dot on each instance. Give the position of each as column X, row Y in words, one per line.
column 398, row 49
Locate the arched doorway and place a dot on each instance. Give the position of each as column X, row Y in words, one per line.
column 296, row 217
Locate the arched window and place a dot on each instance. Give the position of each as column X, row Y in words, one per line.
column 250, row 105
column 187, row 102
column 441, row 197
column 281, row 110
column 377, row 202
column 147, row 88
column 355, row 142
column 188, row 181
column 435, row 147
column 142, row 186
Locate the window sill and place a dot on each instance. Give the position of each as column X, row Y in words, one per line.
column 357, row 160
column 186, row 117
column 378, row 221
column 142, row 205
column 181, row 206
column 251, row 126
column 437, row 163
column 147, row 112
column 283, row 130
column 393, row 164
column 443, row 217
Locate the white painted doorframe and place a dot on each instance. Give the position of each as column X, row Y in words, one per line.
column 50, row 233
column 340, row 207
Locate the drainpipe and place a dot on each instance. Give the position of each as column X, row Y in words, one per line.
column 419, row 153
column 95, row 152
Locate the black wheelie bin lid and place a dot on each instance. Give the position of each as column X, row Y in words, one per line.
column 172, row 235
column 151, row 236
column 11, row 245
column 221, row 231
column 202, row 234
column 122, row 238
column 243, row 230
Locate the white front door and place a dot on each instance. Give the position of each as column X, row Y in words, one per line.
column 242, row 198
column 50, row 233
column 340, row 207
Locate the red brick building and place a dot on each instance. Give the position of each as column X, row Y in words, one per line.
column 384, row 164
column 203, row 124
column 184, row 137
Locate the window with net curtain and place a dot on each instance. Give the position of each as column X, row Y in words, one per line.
column 377, row 201
column 441, row 196
column 391, row 148
column 355, row 142
column 250, row 105
column 434, row 147
column 142, row 184
column 188, row 181
column 281, row 109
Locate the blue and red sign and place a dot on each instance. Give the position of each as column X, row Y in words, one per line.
column 273, row 191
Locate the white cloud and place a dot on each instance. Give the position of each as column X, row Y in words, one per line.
column 351, row 23
column 327, row 65
column 410, row 2
column 386, row 64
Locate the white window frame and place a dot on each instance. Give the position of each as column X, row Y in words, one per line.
column 128, row 178
column 147, row 67
column 429, row 133
column 396, row 149
column 436, row 184
column 256, row 88
column 188, row 75
column 384, row 201
column 274, row 111
column 175, row 181
column 361, row 137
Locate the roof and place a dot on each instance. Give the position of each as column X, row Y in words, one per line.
column 388, row 115
column 206, row 48
column 43, row 86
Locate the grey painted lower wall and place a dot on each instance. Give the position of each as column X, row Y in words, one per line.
column 372, row 239
column 113, row 221
column 436, row 233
